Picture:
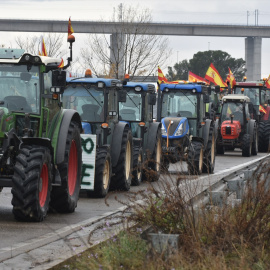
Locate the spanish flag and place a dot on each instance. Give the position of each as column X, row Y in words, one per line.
column 161, row 77
column 70, row 28
column 213, row 76
column 230, row 78
column 267, row 83
column 61, row 65
column 262, row 109
column 192, row 77
column 43, row 51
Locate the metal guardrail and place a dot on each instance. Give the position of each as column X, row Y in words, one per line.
column 234, row 182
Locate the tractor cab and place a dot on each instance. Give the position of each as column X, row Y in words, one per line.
column 95, row 99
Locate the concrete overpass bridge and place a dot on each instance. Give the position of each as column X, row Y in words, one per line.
column 253, row 34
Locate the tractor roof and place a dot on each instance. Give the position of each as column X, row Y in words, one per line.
column 144, row 86
column 249, row 84
column 188, row 86
column 234, row 97
column 95, row 81
column 15, row 56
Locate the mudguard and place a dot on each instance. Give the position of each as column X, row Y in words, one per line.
column 206, row 129
column 38, row 141
column 117, row 141
column 151, row 138
column 67, row 116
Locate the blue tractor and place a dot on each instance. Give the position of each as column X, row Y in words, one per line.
column 137, row 111
column 107, row 142
column 188, row 131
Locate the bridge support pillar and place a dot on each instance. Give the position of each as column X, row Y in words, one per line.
column 253, row 57
column 117, row 53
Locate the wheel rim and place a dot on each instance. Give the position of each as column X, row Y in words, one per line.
column 201, row 160
column 44, row 184
column 128, row 157
column 213, row 150
column 139, row 166
column 158, row 156
column 106, row 174
column 72, row 168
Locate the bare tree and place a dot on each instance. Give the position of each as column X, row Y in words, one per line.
column 132, row 49
column 53, row 43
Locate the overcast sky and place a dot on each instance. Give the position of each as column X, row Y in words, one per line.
column 179, row 11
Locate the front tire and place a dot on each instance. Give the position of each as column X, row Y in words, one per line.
column 210, row 153
column 254, row 147
column 137, row 166
column 32, row 183
column 195, row 158
column 103, row 173
column 65, row 197
column 264, row 136
column 122, row 171
column 246, row 145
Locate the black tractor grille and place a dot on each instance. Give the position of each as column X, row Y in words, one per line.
column 228, row 130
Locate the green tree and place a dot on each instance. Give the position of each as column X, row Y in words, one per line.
column 201, row 62
column 180, row 73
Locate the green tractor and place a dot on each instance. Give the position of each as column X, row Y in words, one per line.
column 188, row 132
column 137, row 111
column 107, row 143
column 40, row 147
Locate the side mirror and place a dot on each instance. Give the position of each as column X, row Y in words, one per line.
column 122, row 96
column 206, row 99
column 58, row 81
column 217, row 89
column 152, row 99
column 25, row 76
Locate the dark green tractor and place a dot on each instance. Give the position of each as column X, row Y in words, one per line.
column 40, row 147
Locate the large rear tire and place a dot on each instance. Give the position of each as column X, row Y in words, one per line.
column 246, row 145
column 65, row 197
column 103, row 173
column 122, row 177
column 137, row 166
column 210, row 153
column 264, row 136
column 32, row 183
column 195, row 158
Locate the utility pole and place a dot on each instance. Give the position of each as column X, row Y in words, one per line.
column 177, row 57
column 247, row 16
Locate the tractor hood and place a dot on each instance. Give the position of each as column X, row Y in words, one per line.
column 175, row 127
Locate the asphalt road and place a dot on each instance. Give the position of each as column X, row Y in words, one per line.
column 13, row 232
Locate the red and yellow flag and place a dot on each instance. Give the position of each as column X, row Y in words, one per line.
column 192, row 77
column 267, row 83
column 213, row 76
column 61, row 65
column 262, row 109
column 70, row 28
column 230, row 78
column 161, row 77
column 42, row 51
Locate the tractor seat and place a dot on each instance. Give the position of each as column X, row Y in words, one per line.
column 17, row 103
column 128, row 115
column 90, row 113
column 185, row 113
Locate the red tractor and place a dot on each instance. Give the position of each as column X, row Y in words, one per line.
column 236, row 128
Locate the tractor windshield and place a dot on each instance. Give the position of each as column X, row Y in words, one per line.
column 179, row 104
column 19, row 88
column 87, row 101
column 234, row 109
column 131, row 110
column 253, row 93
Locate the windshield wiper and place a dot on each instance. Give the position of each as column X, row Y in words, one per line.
column 133, row 101
column 91, row 95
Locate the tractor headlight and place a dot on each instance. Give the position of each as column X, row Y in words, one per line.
column 179, row 131
column 163, row 130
